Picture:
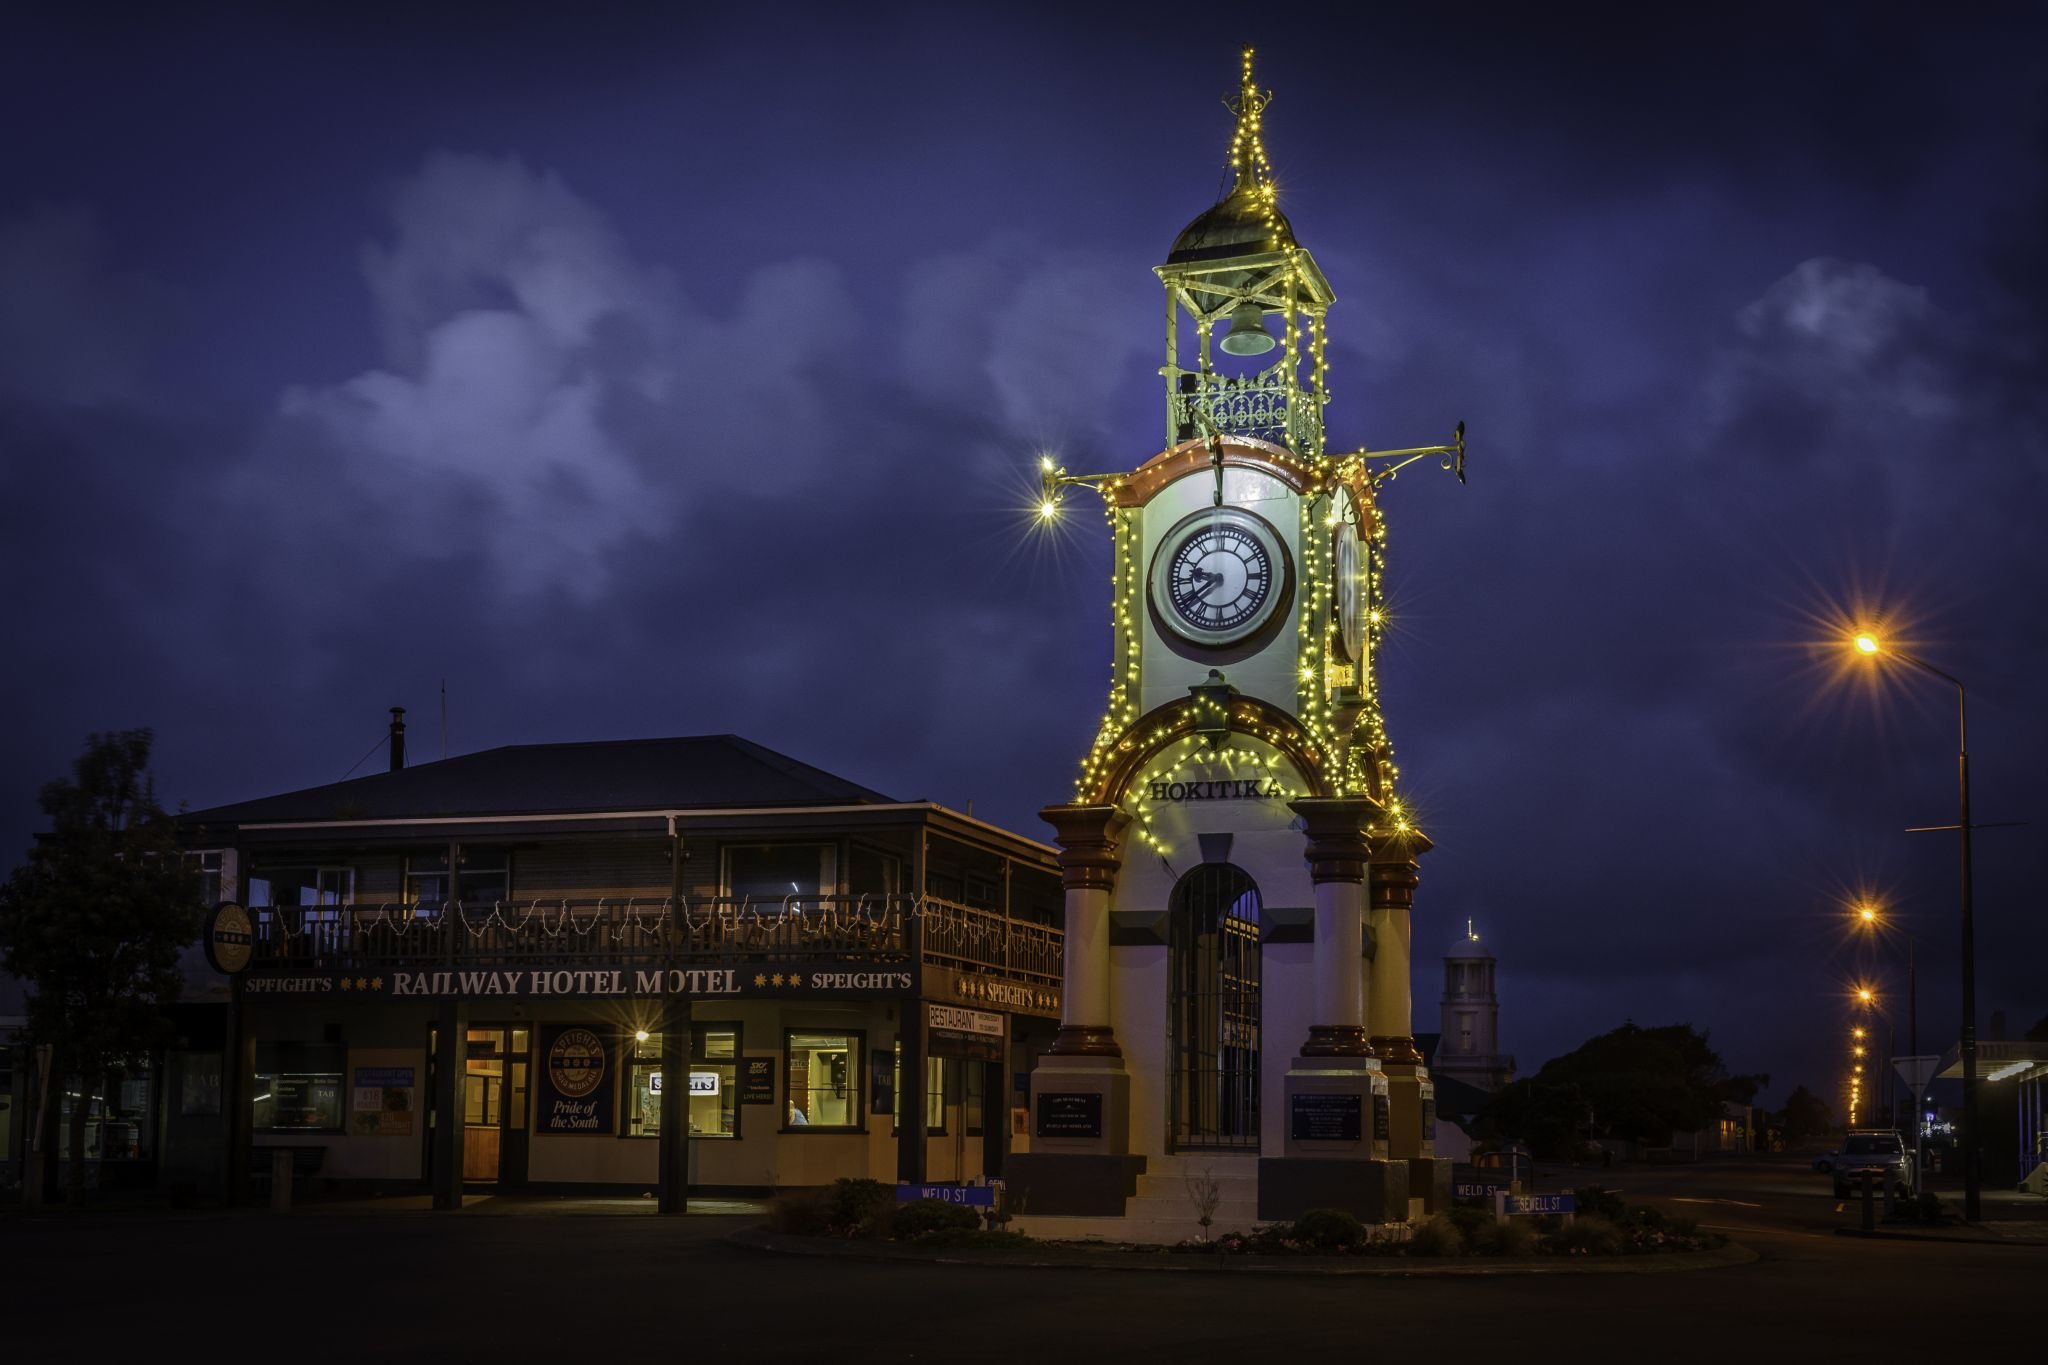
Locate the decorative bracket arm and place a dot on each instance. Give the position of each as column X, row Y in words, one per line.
column 1450, row 457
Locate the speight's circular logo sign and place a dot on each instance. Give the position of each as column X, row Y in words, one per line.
column 576, row 1063
column 230, row 938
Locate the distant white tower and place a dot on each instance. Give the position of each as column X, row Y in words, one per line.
column 1470, row 1047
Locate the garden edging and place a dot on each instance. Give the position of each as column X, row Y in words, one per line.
column 1068, row 1256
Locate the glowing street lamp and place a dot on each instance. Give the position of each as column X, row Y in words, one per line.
column 1871, row 646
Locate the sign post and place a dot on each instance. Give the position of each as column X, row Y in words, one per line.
column 1917, row 1072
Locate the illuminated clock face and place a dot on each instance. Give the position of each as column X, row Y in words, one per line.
column 1218, row 575
column 1347, row 563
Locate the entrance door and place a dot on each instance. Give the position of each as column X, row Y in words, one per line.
column 1213, row 1010
column 483, row 1105
column 494, row 1106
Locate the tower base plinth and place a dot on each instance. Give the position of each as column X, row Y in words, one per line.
column 1370, row 1191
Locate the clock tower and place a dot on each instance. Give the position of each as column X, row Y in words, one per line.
column 1237, row 860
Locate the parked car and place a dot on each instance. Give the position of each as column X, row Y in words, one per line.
column 1879, row 1153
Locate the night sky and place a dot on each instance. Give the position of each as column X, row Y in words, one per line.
column 678, row 369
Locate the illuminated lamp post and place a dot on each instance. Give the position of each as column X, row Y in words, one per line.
column 1869, row 645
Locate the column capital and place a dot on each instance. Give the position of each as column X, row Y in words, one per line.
column 1399, row 1050
column 1337, row 1040
column 1394, row 872
column 1338, row 846
column 1090, row 855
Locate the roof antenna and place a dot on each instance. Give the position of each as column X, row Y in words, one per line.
column 444, row 718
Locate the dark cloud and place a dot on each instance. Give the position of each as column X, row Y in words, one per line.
column 635, row 384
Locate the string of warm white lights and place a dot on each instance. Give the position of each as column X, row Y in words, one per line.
column 1344, row 739
column 556, row 918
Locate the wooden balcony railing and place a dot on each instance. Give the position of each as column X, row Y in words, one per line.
column 621, row 932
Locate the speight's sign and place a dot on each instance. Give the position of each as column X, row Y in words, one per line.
column 230, row 938
column 786, row 981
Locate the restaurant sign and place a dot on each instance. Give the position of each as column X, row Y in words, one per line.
column 783, row 981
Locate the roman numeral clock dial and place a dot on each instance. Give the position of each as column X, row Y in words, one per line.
column 1218, row 576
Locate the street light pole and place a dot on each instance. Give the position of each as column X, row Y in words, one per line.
column 1972, row 1174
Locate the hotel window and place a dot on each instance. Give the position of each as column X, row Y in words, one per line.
column 303, row 887
column 973, row 1084
column 871, row 872
column 772, row 872
column 934, row 1093
column 485, row 880
column 117, row 1124
column 714, row 1083
column 823, row 1080
column 207, row 865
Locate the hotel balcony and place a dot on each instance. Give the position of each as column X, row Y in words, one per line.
column 716, row 932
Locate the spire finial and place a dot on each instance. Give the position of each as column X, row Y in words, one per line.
column 1468, row 931
column 1247, row 148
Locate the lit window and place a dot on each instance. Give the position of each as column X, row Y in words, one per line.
column 934, row 1093
column 485, row 878
column 772, row 871
column 714, row 1091
column 823, row 1082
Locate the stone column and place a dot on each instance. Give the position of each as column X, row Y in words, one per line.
column 1411, row 1096
column 1080, row 1160
column 1334, row 1147
column 1338, row 856
column 1394, row 877
column 1089, row 861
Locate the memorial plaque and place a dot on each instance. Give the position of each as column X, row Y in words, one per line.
column 1327, row 1118
column 1070, row 1115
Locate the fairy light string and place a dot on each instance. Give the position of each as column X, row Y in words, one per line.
column 1342, row 740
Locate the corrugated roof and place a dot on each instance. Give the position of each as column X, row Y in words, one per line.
column 690, row 772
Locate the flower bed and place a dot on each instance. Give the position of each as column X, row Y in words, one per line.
column 1604, row 1226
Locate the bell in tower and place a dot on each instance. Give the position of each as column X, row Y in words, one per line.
column 1230, row 270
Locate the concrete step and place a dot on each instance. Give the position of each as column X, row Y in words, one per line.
column 1175, row 1186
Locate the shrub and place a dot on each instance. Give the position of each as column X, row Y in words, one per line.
column 1504, row 1237
column 853, row 1206
column 1589, row 1235
column 1682, row 1225
column 975, row 1237
column 1438, row 1237
column 1927, row 1208
column 1591, row 1199
column 1329, row 1230
column 801, row 1212
column 1469, row 1218
column 926, row 1216
column 1647, row 1218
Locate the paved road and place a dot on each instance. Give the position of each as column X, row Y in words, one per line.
column 405, row 1286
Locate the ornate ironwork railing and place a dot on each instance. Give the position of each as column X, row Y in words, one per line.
column 1253, row 405
column 863, row 928
column 964, row 937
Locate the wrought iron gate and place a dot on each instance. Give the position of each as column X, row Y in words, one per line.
column 1213, row 1010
